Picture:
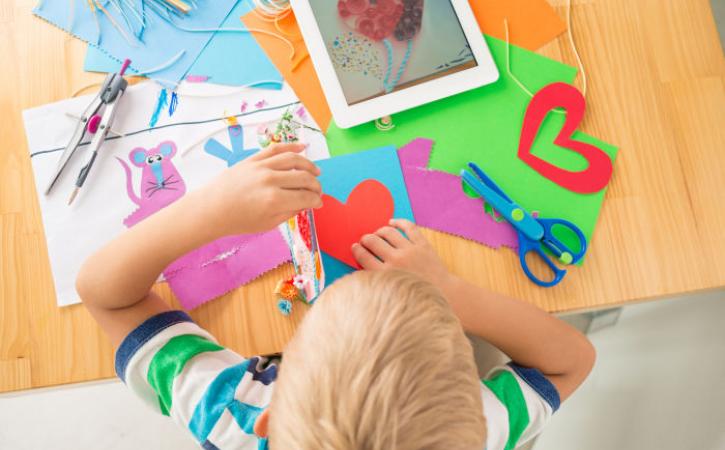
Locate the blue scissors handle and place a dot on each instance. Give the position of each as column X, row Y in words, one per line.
column 527, row 246
column 561, row 251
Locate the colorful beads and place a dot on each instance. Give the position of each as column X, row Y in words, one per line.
column 285, row 307
column 303, row 222
column 285, row 131
column 289, row 291
column 355, row 53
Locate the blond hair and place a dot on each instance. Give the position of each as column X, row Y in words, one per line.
column 379, row 363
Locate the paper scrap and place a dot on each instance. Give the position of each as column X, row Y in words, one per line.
column 196, row 279
column 218, row 63
column 340, row 177
column 484, row 126
column 160, row 185
column 161, row 41
column 234, row 155
column 532, row 23
column 368, row 208
column 595, row 176
column 439, row 203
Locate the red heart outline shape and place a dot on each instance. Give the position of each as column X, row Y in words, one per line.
column 369, row 207
column 592, row 179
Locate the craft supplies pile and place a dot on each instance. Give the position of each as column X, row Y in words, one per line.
column 504, row 165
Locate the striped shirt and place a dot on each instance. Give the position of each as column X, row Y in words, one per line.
column 180, row 370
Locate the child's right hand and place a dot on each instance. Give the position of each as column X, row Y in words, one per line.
column 263, row 191
column 389, row 248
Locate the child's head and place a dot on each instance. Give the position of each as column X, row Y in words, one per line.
column 380, row 362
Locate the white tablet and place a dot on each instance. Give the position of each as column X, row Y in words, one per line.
column 378, row 57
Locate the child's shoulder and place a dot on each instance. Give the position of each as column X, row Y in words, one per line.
column 517, row 403
column 179, row 369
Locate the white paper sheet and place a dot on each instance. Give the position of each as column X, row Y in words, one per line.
column 74, row 232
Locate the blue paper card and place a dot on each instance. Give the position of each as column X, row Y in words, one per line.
column 162, row 42
column 230, row 58
column 340, row 175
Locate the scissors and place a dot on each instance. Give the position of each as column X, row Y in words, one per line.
column 93, row 123
column 535, row 234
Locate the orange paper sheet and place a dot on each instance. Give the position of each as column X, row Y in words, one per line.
column 532, row 23
column 299, row 73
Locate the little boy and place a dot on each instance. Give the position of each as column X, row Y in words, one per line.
column 380, row 362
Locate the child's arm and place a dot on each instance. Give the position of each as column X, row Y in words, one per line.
column 253, row 196
column 529, row 336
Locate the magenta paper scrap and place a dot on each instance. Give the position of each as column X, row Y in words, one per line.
column 214, row 251
column 439, row 203
column 196, row 281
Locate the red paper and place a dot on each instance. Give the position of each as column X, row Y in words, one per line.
column 369, row 207
column 597, row 175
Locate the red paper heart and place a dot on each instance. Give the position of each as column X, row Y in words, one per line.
column 339, row 225
column 592, row 179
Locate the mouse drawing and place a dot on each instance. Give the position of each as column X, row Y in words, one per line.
column 161, row 184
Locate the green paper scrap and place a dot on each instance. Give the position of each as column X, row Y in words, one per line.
column 483, row 126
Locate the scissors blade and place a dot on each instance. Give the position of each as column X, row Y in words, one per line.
column 488, row 181
column 513, row 213
column 500, row 203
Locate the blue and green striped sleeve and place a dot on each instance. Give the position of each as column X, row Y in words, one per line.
column 517, row 403
column 180, row 370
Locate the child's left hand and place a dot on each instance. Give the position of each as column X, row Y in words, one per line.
column 264, row 190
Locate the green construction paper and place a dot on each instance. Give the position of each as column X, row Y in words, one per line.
column 483, row 126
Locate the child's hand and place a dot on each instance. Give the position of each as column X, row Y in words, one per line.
column 264, row 190
column 388, row 248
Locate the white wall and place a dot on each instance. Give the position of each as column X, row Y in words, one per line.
column 659, row 382
column 100, row 415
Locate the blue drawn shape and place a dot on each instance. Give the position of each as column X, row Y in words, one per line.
column 237, row 154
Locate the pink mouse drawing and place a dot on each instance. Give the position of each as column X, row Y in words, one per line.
column 161, row 183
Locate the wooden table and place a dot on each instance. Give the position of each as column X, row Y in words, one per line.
column 656, row 74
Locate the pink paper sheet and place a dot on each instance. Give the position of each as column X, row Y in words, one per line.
column 439, row 202
column 224, row 265
column 212, row 251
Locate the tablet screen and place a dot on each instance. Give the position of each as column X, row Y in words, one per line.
column 381, row 46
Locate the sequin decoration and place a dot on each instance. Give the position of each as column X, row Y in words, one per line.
column 358, row 54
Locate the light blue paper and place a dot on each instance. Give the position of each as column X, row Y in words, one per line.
column 334, row 268
column 340, row 175
column 233, row 59
column 161, row 40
